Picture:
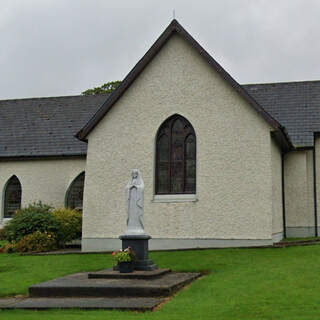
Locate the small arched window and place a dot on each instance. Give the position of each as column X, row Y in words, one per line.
column 176, row 157
column 74, row 197
column 12, row 197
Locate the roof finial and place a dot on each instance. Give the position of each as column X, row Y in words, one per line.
column 174, row 14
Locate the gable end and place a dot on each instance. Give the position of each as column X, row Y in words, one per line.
column 280, row 133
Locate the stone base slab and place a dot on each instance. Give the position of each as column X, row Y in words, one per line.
column 113, row 274
column 141, row 304
column 79, row 285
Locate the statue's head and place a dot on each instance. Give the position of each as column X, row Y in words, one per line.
column 135, row 173
column 136, row 178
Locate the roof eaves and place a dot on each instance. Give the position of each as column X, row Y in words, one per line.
column 284, row 139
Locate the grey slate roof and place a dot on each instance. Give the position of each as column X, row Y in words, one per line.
column 296, row 105
column 45, row 126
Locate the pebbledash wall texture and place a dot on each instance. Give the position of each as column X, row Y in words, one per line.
column 45, row 180
column 299, row 193
column 238, row 197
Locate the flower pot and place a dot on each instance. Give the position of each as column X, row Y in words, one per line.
column 126, row 267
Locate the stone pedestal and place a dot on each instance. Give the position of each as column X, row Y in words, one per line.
column 139, row 244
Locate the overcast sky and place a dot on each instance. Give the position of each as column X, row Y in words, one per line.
column 62, row 47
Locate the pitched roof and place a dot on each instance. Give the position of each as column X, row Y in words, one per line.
column 175, row 28
column 45, row 126
column 296, row 105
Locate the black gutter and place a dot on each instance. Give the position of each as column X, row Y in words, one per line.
column 283, row 197
column 315, row 191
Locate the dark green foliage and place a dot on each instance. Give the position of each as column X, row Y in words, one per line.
column 8, row 247
column 38, row 227
column 37, row 242
column 3, row 242
column 3, row 235
column 70, row 225
column 35, row 217
column 105, row 88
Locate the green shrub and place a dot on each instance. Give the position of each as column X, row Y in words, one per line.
column 34, row 217
column 3, row 235
column 8, row 247
column 37, row 242
column 70, row 225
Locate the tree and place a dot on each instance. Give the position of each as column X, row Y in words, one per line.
column 105, row 88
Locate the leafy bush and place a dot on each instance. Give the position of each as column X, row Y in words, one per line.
column 3, row 235
column 34, row 217
column 37, row 242
column 38, row 227
column 70, row 225
column 8, row 247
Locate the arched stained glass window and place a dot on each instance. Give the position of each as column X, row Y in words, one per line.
column 74, row 198
column 12, row 197
column 176, row 157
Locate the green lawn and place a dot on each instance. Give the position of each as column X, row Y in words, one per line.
column 243, row 284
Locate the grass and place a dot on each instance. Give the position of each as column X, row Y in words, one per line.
column 244, row 284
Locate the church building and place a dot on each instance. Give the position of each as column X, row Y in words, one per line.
column 223, row 164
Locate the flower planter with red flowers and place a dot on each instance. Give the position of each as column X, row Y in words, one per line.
column 124, row 259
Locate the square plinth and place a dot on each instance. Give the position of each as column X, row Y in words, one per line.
column 114, row 274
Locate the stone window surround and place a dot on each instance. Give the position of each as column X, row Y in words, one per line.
column 174, row 198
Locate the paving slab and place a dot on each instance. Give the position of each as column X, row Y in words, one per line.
column 79, row 285
column 115, row 274
column 6, row 302
column 141, row 304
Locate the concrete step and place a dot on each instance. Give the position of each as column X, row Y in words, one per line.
column 141, row 304
column 79, row 285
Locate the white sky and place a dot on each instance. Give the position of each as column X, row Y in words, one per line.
column 62, row 47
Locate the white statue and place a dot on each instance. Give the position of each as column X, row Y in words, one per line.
column 134, row 197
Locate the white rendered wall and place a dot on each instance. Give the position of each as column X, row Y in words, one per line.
column 277, row 214
column 299, row 193
column 234, row 165
column 45, row 180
